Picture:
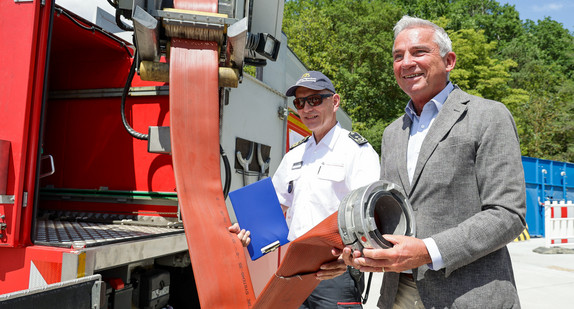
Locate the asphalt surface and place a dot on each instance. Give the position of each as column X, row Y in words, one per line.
column 544, row 280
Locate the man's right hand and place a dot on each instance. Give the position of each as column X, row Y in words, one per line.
column 243, row 235
column 407, row 253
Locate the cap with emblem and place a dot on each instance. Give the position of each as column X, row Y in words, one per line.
column 312, row 80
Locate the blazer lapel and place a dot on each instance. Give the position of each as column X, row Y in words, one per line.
column 451, row 111
column 402, row 145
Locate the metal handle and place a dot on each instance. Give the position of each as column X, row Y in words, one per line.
column 52, row 169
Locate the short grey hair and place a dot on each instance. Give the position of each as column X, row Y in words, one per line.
column 441, row 38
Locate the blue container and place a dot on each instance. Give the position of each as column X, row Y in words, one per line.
column 545, row 180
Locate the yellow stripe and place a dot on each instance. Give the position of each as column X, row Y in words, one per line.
column 82, row 264
column 523, row 236
column 297, row 123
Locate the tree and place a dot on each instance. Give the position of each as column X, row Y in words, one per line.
column 555, row 42
column 544, row 70
column 544, row 120
column 350, row 41
column 475, row 71
column 528, row 66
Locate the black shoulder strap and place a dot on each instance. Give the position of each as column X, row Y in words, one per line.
column 357, row 138
column 304, row 140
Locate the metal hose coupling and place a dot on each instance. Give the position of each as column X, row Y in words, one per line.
column 367, row 213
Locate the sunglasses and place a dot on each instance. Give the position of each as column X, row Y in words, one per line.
column 312, row 100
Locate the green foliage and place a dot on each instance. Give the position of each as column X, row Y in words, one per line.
column 251, row 70
column 526, row 65
column 475, row 71
column 555, row 42
column 373, row 133
column 350, row 41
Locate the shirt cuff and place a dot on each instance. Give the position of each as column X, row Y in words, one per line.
column 436, row 257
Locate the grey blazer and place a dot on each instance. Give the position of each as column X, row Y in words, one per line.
column 468, row 194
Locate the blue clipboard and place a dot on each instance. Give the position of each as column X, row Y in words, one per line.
column 258, row 210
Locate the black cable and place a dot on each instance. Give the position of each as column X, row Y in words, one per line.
column 367, row 289
column 125, row 92
column 113, row 4
column 93, row 29
column 130, row 130
column 227, row 183
column 121, row 24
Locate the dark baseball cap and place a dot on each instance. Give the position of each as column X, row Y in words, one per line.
column 312, row 80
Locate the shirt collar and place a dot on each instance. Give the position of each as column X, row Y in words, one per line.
column 330, row 138
column 438, row 101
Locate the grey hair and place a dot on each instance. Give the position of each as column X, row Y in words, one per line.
column 441, row 38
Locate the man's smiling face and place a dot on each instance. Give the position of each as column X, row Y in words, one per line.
column 319, row 119
column 419, row 68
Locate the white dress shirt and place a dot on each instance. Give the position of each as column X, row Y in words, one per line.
column 313, row 178
column 419, row 128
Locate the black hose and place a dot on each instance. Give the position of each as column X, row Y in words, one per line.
column 121, row 24
column 368, row 289
column 94, row 29
column 113, row 4
column 227, row 182
column 130, row 130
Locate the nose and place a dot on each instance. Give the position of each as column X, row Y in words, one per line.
column 407, row 60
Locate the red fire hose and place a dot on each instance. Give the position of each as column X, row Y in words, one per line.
column 217, row 257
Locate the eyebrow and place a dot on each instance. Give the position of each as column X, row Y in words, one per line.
column 423, row 47
column 416, row 47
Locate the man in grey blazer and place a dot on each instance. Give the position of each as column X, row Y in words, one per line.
column 457, row 157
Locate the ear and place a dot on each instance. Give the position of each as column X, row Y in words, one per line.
column 450, row 61
column 336, row 101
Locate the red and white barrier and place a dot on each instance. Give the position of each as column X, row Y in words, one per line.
column 559, row 223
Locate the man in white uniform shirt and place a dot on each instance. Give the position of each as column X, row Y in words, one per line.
column 315, row 175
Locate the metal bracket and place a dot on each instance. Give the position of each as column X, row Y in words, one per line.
column 159, row 140
column 195, row 20
column 96, row 293
column 263, row 163
column 246, row 161
column 282, row 112
column 237, row 36
column 147, row 34
column 3, row 225
column 7, row 199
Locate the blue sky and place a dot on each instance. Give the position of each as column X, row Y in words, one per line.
column 561, row 11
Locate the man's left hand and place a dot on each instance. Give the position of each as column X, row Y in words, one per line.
column 332, row 269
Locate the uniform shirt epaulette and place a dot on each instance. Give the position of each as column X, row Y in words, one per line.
column 357, row 138
column 304, row 140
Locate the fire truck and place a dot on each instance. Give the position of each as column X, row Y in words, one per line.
column 90, row 210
